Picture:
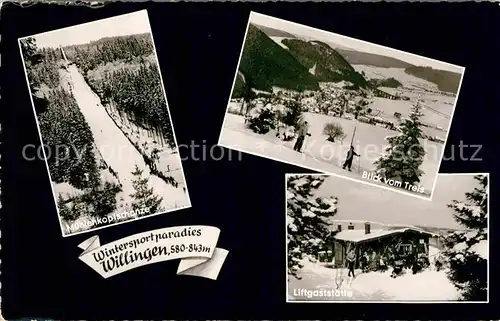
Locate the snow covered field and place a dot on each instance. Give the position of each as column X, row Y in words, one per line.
column 438, row 107
column 322, row 155
column 388, row 107
column 429, row 285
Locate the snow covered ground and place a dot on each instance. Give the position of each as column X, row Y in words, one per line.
column 429, row 285
column 438, row 107
column 116, row 149
column 322, row 155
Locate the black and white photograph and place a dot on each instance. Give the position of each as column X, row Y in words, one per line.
column 353, row 242
column 104, row 123
column 341, row 106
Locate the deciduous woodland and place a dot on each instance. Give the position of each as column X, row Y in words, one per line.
column 89, row 96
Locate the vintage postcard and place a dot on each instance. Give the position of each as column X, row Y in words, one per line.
column 342, row 106
column 104, row 123
column 351, row 242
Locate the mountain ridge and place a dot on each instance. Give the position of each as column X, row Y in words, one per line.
column 446, row 81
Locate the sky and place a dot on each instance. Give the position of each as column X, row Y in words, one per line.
column 347, row 42
column 127, row 24
column 357, row 201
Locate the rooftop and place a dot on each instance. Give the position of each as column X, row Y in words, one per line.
column 359, row 235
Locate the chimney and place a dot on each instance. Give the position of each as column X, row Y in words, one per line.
column 351, row 226
column 339, row 228
column 367, row 228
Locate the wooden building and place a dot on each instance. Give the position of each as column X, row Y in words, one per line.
column 379, row 244
column 384, row 94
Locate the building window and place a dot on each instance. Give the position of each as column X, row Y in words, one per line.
column 405, row 248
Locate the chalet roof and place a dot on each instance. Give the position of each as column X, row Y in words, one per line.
column 359, row 235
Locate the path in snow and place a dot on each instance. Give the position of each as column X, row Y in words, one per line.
column 374, row 286
column 236, row 136
column 116, row 149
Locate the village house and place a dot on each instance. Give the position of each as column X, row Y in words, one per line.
column 380, row 243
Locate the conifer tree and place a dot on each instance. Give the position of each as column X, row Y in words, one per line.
column 405, row 154
column 466, row 251
column 64, row 211
column 103, row 199
column 308, row 219
column 144, row 197
column 293, row 116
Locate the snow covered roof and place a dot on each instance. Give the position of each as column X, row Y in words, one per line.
column 359, row 235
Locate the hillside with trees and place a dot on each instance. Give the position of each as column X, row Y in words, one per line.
column 60, row 120
column 109, row 49
column 271, row 32
column 64, row 129
column 239, row 86
column 333, row 64
column 369, row 59
column 124, row 73
column 328, row 64
column 387, row 82
column 445, row 80
column 268, row 64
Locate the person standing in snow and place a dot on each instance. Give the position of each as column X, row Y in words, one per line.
column 301, row 135
column 438, row 262
column 351, row 261
column 348, row 161
column 365, row 259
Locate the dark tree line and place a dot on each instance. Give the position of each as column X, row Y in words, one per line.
column 65, row 130
column 105, row 50
column 62, row 125
column 41, row 65
column 136, row 92
column 67, row 135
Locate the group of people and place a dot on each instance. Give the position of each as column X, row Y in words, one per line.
column 367, row 262
column 397, row 260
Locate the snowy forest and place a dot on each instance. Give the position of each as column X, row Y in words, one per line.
column 107, row 93
column 459, row 269
column 135, row 75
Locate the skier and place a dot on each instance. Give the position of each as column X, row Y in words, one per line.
column 351, row 260
column 301, row 135
column 348, row 161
